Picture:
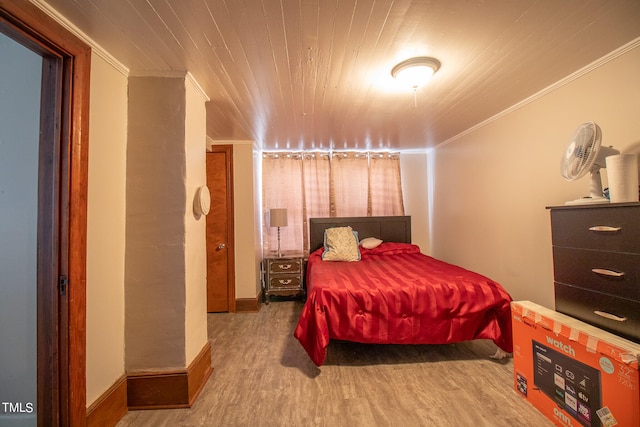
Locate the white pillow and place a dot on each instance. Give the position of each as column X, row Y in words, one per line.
column 340, row 244
column 370, row 243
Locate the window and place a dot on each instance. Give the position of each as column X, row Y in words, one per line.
column 321, row 184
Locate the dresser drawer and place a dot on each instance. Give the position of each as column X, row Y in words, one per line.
column 293, row 266
column 615, row 273
column 607, row 228
column 584, row 305
column 285, row 282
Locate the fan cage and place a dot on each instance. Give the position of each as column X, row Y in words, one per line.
column 582, row 151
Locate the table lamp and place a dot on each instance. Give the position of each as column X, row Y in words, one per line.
column 278, row 218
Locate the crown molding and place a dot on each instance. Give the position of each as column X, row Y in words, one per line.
column 95, row 47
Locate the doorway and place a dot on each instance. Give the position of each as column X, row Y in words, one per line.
column 221, row 295
column 19, row 127
column 46, row 181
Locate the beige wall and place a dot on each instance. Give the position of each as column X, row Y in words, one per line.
column 195, row 252
column 247, row 269
column 106, row 226
column 415, row 184
column 491, row 186
column 257, row 216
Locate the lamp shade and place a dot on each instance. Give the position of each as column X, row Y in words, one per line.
column 278, row 217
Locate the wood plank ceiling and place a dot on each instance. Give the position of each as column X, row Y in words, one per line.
column 310, row 74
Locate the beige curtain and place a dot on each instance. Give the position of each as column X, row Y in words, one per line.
column 316, row 169
column 282, row 188
column 320, row 184
column 349, row 184
column 385, row 186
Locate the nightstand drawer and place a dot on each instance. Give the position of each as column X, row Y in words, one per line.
column 611, row 273
column 293, row 266
column 617, row 315
column 285, row 282
column 609, row 228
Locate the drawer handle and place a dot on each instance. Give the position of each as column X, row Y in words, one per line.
column 284, row 282
column 610, row 316
column 605, row 228
column 285, row 266
column 606, row 272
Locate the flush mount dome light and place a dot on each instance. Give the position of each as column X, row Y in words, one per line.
column 414, row 72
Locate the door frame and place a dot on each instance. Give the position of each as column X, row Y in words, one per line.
column 62, row 360
column 227, row 149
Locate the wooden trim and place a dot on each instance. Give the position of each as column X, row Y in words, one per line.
column 199, row 372
column 78, row 171
column 170, row 389
column 110, row 407
column 249, row 305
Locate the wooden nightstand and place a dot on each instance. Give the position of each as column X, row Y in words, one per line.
column 283, row 276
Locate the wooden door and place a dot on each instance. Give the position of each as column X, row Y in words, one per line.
column 220, row 260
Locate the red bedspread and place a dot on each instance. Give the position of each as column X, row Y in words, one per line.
column 397, row 295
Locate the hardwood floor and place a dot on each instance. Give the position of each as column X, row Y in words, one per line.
column 263, row 377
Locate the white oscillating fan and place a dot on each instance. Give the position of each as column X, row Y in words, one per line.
column 585, row 154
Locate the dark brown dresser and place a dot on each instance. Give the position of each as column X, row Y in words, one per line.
column 596, row 263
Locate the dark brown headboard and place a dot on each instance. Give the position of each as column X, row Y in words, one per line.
column 387, row 228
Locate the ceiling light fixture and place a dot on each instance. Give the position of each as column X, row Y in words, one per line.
column 414, row 72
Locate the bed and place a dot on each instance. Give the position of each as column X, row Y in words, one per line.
column 392, row 293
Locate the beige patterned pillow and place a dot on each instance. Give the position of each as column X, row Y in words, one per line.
column 340, row 244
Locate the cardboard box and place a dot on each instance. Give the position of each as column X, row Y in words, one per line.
column 574, row 373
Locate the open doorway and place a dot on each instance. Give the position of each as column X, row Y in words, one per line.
column 43, row 211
